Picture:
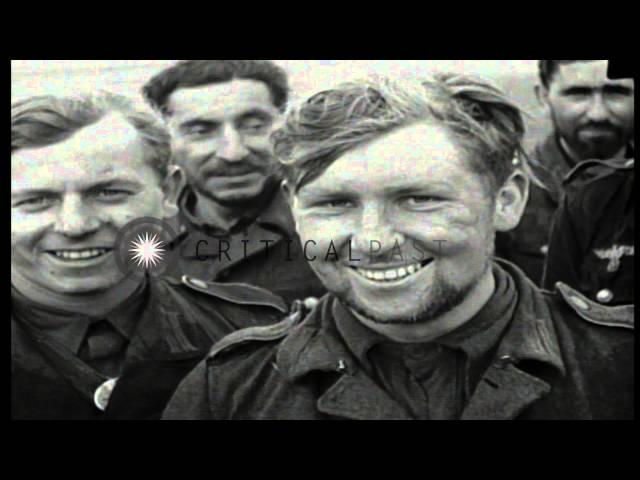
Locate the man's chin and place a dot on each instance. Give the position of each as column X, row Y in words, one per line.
column 441, row 300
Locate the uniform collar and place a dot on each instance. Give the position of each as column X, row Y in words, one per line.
column 331, row 331
column 552, row 164
column 70, row 330
column 276, row 214
column 505, row 390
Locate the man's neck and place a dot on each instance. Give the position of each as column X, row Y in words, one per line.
column 445, row 323
column 93, row 304
column 210, row 212
column 576, row 158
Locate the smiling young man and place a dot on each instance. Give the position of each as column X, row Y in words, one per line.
column 400, row 189
column 592, row 119
column 91, row 339
column 235, row 221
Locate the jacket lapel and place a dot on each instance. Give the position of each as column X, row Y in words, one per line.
column 503, row 393
column 357, row 397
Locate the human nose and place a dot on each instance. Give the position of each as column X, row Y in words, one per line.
column 232, row 148
column 75, row 218
column 376, row 233
column 597, row 110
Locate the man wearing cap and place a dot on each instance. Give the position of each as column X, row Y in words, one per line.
column 402, row 187
column 95, row 332
column 592, row 120
column 235, row 221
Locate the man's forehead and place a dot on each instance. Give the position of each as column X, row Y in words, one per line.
column 221, row 99
column 420, row 154
column 92, row 151
column 592, row 72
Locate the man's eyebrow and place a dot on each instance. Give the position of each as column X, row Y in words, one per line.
column 255, row 112
column 25, row 192
column 617, row 88
column 113, row 182
column 199, row 122
column 101, row 184
column 577, row 89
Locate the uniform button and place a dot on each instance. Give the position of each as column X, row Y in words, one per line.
column 341, row 367
column 604, row 296
column 183, row 229
column 503, row 361
column 544, row 249
column 578, row 302
column 310, row 303
column 195, row 282
column 103, row 393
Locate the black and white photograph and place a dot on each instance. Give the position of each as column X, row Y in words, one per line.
column 322, row 240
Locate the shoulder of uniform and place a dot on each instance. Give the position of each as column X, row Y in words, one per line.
column 594, row 167
column 261, row 333
column 621, row 316
column 239, row 293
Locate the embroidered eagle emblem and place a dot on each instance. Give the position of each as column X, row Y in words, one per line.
column 614, row 254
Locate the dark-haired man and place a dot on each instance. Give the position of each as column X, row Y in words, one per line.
column 93, row 335
column 402, row 188
column 592, row 118
column 236, row 223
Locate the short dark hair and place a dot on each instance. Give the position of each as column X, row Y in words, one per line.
column 547, row 68
column 485, row 122
column 193, row 73
column 45, row 120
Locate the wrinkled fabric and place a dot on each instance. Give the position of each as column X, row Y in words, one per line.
column 550, row 363
column 176, row 328
column 264, row 251
column 592, row 241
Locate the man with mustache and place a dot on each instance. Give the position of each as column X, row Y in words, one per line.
column 593, row 119
column 92, row 335
column 446, row 333
column 236, row 224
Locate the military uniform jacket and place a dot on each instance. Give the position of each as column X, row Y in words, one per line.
column 179, row 325
column 265, row 252
column 592, row 241
column 528, row 244
column 561, row 357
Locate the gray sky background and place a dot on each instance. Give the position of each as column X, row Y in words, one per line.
column 126, row 77
column 29, row 77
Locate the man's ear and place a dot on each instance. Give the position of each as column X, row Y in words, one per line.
column 172, row 186
column 288, row 191
column 511, row 201
column 542, row 94
column 291, row 198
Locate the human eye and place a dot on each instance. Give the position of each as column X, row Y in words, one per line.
column 34, row 204
column 419, row 201
column 112, row 194
column 199, row 128
column 331, row 206
column 255, row 124
column 338, row 203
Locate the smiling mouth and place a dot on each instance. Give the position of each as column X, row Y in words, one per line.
column 391, row 274
column 76, row 255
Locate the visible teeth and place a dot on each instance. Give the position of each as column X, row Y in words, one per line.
column 390, row 274
column 80, row 254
